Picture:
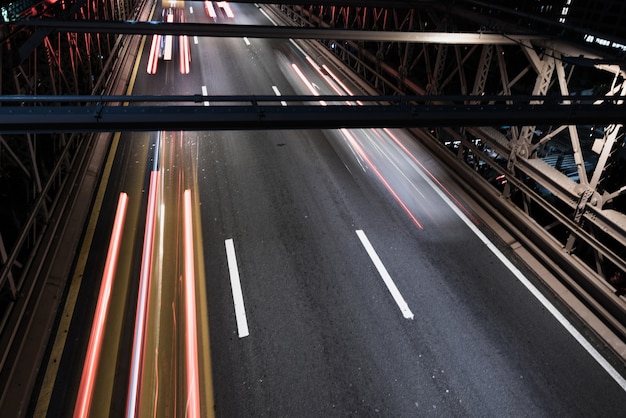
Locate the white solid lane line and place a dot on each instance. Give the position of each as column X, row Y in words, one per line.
column 235, row 283
column 406, row 312
column 268, row 17
column 619, row 379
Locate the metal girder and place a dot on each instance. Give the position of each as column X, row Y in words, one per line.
column 151, row 118
column 358, row 3
column 483, row 70
column 280, row 32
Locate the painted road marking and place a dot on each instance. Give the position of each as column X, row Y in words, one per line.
column 277, row 92
column 268, row 16
column 235, row 283
column 205, row 92
column 406, row 312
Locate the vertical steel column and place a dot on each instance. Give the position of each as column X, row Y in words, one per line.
column 573, row 132
column 608, row 145
column 482, row 72
column 545, row 69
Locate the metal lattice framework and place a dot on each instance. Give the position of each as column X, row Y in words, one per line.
column 39, row 171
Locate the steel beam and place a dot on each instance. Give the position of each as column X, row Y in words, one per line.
column 278, row 32
column 96, row 118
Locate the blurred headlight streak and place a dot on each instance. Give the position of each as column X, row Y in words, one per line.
column 185, row 54
column 307, row 83
column 191, row 339
column 144, row 288
column 210, row 10
column 224, row 5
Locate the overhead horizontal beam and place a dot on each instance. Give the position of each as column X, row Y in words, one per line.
column 97, row 118
column 356, row 3
column 260, row 31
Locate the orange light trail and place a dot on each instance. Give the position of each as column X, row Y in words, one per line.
column 191, row 338
column 87, row 380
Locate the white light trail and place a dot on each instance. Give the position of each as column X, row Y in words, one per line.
column 145, row 277
column 191, row 337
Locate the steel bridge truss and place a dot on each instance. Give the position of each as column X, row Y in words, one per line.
column 563, row 186
column 39, row 171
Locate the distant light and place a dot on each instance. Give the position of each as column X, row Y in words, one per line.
column 619, row 46
column 565, row 11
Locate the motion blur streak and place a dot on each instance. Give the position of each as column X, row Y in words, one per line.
column 185, row 55
column 425, row 170
column 359, row 149
column 191, row 338
column 210, row 10
column 333, row 81
column 306, row 82
column 153, row 58
column 167, row 47
column 224, row 5
column 326, row 77
column 352, row 139
column 87, row 380
column 184, row 51
column 144, row 288
column 338, row 81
